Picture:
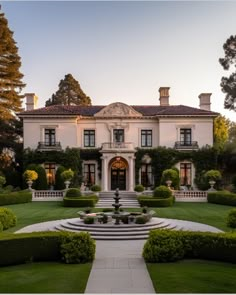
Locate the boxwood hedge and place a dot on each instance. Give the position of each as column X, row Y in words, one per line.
column 15, row 198
column 166, row 245
column 88, row 201
column 45, row 246
column 155, row 202
column 222, row 197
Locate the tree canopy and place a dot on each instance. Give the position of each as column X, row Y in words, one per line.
column 228, row 84
column 221, row 131
column 69, row 93
column 10, row 75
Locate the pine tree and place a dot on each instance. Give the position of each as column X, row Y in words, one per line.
column 10, row 75
column 69, row 93
column 228, row 84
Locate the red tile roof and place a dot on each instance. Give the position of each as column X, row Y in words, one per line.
column 145, row 110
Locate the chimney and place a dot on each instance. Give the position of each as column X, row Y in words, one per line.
column 164, row 96
column 205, row 101
column 31, row 101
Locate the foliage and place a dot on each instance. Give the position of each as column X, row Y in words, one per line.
column 96, row 188
column 231, row 218
column 7, row 218
column 78, row 248
column 15, row 198
column 89, row 220
column 59, row 183
column 1, row 227
column 228, row 83
column 214, row 175
column 221, row 131
column 73, row 193
column 140, row 220
column 67, row 175
column 10, row 78
column 166, row 245
column 170, row 174
column 78, row 202
column 41, row 182
column 2, row 181
column 222, row 197
column 139, row 188
column 232, row 132
column 30, row 175
column 234, row 181
column 69, row 93
column 162, row 192
column 155, row 202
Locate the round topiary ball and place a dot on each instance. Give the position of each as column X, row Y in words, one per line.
column 162, row 192
column 231, row 219
column 73, row 193
column 139, row 188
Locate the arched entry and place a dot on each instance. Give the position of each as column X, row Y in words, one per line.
column 118, row 173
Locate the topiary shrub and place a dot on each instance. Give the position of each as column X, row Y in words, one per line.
column 59, row 182
column 7, row 218
column 141, row 219
column 213, row 175
column 95, row 188
column 171, row 174
column 30, row 175
column 222, row 197
column 78, row 248
column 231, row 218
column 1, row 227
column 139, row 188
column 162, row 192
column 67, row 175
column 89, row 220
column 73, row 193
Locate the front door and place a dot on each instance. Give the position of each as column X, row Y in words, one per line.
column 118, row 178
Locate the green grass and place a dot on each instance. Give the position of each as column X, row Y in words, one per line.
column 193, row 276
column 44, row 278
column 211, row 214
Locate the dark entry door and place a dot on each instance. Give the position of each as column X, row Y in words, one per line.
column 118, row 178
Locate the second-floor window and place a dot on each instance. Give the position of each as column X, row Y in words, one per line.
column 89, row 138
column 118, row 135
column 185, row 136
column 50, row 137
column 146, row 138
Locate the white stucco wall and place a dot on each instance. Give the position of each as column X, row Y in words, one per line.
column 169, row 130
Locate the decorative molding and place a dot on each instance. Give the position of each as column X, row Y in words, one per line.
column 118, row 109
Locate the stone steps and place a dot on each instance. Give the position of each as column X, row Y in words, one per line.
column 110, row 231
column 127, row 199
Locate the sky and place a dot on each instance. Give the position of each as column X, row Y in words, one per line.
column 124, row 50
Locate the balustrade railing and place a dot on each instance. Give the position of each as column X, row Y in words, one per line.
column 45, row 146
column 189, row 196
column 47, row 195
column 183, row 145
column 117, row 145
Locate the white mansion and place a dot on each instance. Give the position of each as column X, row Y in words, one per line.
column 118, row 130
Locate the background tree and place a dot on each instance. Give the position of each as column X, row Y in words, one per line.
column 221, row 131
column 228, row 84
column 232, row 132
column 69, row 93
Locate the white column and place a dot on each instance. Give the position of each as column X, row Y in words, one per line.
column 104, row 173
column 131, row 173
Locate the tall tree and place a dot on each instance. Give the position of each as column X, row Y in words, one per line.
column 69, row 93
column 10, row 76
column 228, row 84
column 221, row 131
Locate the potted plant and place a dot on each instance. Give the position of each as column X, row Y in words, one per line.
column 30, row 176
column 67, row 175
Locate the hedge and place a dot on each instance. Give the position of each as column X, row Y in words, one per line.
column 155, row 202
column 44, row 246
column 7, row 218
column 79, row 202
column 166, row 246
column 73, row 193
column 15, row 198
column 222, row 197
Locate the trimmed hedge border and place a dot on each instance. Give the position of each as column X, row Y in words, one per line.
column 15, row 198
column 43, row 246
column 167, row 246
column 155, row 202
column 222, row 197
column 88, row 201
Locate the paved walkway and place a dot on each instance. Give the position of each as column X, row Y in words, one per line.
column 119, row 266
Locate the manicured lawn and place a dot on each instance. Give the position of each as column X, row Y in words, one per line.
column 193, row 276
column 35, row 212
column 47, row 277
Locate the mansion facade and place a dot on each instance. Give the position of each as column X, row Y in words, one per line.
column 117, row 130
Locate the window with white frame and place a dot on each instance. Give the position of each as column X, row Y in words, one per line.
column 185, row 136
column 146, row 138
column 50, row 136
column 89, row 138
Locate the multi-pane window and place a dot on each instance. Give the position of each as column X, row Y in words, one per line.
column 118, row 135
column 89, row 174
column 185, row 136
column 185, row 173
column 50, row 169
column 89, row 138
column 146, row 138
column 146, row 175
column 50, row 137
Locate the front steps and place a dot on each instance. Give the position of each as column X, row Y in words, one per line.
column 127, row 199
column 116, row 232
